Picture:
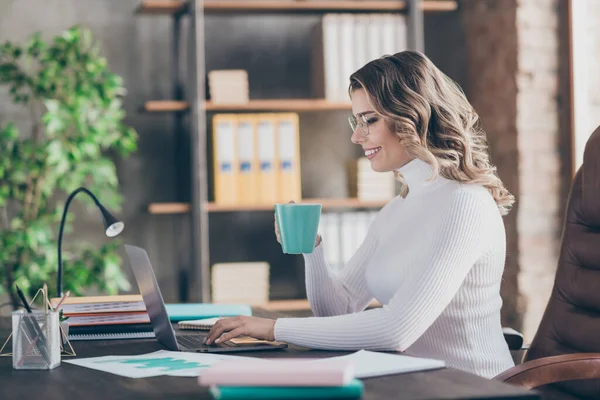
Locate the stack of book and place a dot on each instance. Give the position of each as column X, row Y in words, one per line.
column 246, row 283
column 282, row 379
column 106, row 317
column 228, row 86
column 368, row 185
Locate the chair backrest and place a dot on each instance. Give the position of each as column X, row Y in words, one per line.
column 571, row 322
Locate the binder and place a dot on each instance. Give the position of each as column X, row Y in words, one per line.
column 326, row 60
column 361, row 48
column 347, row 54
column 225, row 159
column 374, row 34
column 267, row 159
column 400, row 33
column 288, row 145
column 388, row 38
column 247, row 160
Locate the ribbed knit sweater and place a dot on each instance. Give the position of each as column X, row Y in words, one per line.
column 434, row 260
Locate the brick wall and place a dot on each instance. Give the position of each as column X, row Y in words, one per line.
column 539, row 162
column 586, row 54
column 512, row 61
column 492, row 81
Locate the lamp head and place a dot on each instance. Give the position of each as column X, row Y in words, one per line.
column 112, row 226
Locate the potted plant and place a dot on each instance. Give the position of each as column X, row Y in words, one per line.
column 76, row 129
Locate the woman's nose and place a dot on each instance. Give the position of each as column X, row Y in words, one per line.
column 357, row 136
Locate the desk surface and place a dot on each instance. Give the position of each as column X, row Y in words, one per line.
column 73, row 382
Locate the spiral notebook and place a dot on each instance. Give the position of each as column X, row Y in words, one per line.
column 198, row 324
column 110, row 336
column 111, row 331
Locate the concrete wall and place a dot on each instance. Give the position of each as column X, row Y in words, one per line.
column 137, row 48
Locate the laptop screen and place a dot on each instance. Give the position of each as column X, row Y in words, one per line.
column 144, row 275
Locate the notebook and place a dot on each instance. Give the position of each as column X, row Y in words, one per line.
column 189, row 311
column 101, row 304
column 111, row 336
column 107, row 332
column 290, row 372
column 354, row 390
column 198, row 324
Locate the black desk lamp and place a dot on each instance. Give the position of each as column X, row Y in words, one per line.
column 112, row 228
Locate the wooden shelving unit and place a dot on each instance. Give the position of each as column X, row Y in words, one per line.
column 297, row 105
column 166, row 106
column 191, row 113
column 298, row 305
column 162, row 7
column 328, row 204
column 169, row 208
column 321, row 6
column 232, row 6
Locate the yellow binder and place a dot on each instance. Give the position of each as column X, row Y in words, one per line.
column 248, row 190
column 225, row 159
column 267, row 158
column 288, row 151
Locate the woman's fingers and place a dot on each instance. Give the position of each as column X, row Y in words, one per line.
column 230, row 335
column 276, row 229
column 222, row 326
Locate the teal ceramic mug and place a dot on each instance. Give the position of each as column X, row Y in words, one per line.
column 298, row 226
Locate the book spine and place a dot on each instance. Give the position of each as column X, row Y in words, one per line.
column 97, row 329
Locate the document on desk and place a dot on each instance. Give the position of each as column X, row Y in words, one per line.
column 162, row 362
column 368, row 364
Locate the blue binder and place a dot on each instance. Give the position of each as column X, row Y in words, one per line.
column 190, row 311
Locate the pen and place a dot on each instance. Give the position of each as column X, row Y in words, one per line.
column 45, row 290
column 67, row 293
column 33, row 328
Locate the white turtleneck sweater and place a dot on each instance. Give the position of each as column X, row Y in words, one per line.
column 434, row 260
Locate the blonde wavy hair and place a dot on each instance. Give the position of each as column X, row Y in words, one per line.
column 432, row 118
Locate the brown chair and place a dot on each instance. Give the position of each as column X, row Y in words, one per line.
column 563, row 360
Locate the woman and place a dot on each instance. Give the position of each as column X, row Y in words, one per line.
column 434, row 255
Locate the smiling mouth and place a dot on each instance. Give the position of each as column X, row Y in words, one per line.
column 372, row 152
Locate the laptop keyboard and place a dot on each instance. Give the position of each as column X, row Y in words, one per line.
column 197, row 342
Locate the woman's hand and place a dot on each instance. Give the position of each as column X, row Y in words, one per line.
column 258, row 328
column 278, row 236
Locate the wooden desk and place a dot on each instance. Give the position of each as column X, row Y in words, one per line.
column 73, row 382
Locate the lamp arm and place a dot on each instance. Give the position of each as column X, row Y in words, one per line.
column 60, row 234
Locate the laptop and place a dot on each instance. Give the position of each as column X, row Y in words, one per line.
column 161, row 325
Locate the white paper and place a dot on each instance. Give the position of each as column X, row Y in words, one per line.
column 225, row 142
column 369, row 364
column 287, row 141
column 162, row 362
column 246, row 142
column 266, row 141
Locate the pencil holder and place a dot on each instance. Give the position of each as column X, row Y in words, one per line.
column 35, row 340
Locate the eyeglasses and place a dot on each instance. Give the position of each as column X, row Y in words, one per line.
column 362, row 122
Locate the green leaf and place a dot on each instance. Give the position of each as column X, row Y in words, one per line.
column 82, row 125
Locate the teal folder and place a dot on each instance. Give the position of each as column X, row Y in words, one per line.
column 353, row 390
column 190, row 311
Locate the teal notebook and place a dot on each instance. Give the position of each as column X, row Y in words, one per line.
column 353, row 390
column 189, row 311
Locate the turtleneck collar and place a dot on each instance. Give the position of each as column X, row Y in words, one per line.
column 416, row 174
